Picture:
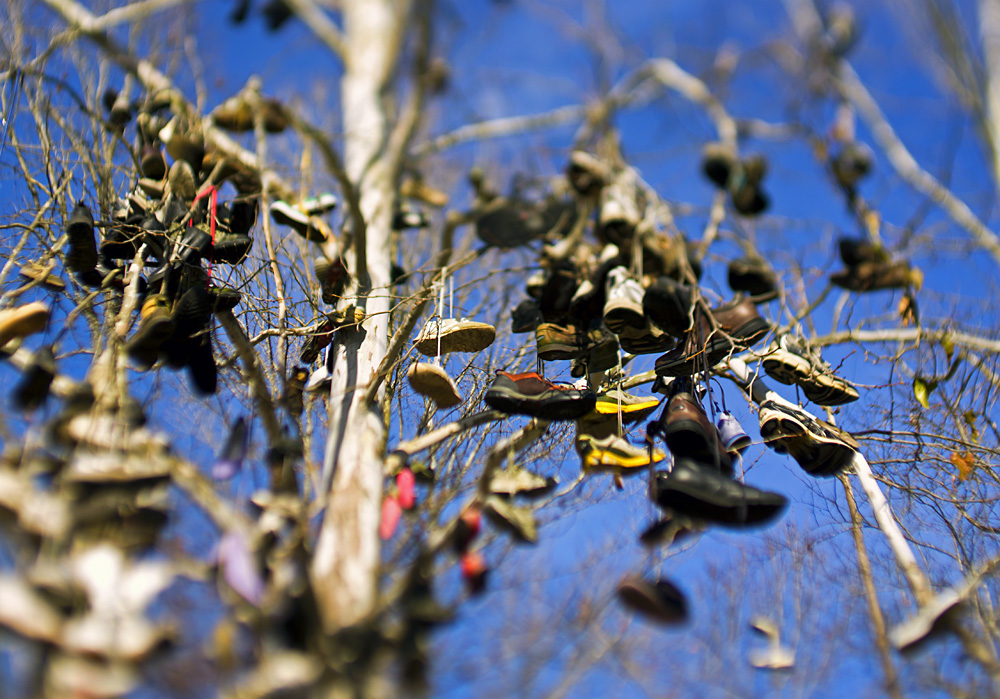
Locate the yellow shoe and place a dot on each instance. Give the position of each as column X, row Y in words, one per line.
column 614, row 452
column 633, row 408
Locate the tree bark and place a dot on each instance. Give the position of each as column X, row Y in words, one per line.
column 345, row 563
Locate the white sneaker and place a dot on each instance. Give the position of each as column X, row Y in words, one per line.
column 623, row 308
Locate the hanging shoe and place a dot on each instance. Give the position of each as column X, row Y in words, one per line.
column 155, row 327
column 555, row 342
column 689, row 433
column 869, row 276
column 739, row 322
column 754, row 277
column 700, row 491
column 319, row 381
column 632, row 408
column 36, row 379
column 82, row 255
column 586, row 173
column 851, row 164
column 152, row 163
column 623, row 307
column 454, row 335
column 333, row 278
column 820, row 448
column 858, row 251
column 303, row 217
column 791, row 362
column 734, row 439
column 526, row 317
column 658, row 600
column 530, row 394
column 718, row 160
column 223, row 298
column 615, row 453
column 433, row 381
column 181, row 179
column 667, row 303
column 21, row 321
column 234, row 451
column 295, row 384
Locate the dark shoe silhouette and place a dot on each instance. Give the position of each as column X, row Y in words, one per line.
column 753, row 277
column 33, row 388
column 658, row 600
column 700, row 491
column 82, row 255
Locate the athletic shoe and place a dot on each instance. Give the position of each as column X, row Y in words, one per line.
column 614, row 452
column 303, row 217
column 530, row 394
column 857, row 251
column 820, row 448
column 454, row 335
column 432, row 381
column 647, row 340
column 556, row 342
column 623, row 307
column 791, row 362
column 632, row 408
column 851, row 163
column 155, row 327
column 586, row 173
column 659, row 600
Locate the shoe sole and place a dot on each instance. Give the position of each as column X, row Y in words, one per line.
column 686, row 438
column 687, row 501
column 468, row 339
column 622, row 314
column 821, row 388
column 559, row 350
column 549, row 405
column 817, row 454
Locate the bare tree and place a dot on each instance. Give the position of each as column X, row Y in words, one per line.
column 315, row 588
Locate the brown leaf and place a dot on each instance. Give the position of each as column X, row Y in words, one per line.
column 964, row 462
column 908, row 310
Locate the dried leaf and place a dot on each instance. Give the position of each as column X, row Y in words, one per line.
column 949, row 346
column 970, row 420
column 922, row 389
column 964, row 462
column 908, row 310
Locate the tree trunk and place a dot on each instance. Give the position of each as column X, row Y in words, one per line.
column 345, row 563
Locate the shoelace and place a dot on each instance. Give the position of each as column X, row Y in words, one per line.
column 213, row 194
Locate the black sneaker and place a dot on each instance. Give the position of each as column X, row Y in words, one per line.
column 82, row 255
column 702, row 492
column 224, row 298
column 201, row 365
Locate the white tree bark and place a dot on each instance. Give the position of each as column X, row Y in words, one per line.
column 345, row 562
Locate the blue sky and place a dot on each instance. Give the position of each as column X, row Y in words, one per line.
column 516, row 58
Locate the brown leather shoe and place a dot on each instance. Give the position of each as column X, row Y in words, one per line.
column 689, row 433
column 740, row 325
